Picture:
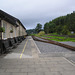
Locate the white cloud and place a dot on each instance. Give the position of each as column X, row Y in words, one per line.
column 38, row 10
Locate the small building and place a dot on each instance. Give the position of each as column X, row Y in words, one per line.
column 11, row 23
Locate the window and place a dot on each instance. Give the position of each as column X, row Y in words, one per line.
column 4, row 33
column 15, row 31
column 11, row 34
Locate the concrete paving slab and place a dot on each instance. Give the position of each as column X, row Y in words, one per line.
column 51, row 66
column 32, row 64
column 19, row 74
column 5, row 73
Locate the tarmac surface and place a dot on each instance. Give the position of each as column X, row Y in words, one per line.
column 26, row 60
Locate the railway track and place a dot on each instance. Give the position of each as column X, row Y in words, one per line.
column 54, row 42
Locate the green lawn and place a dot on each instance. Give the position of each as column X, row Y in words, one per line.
column 56, row 38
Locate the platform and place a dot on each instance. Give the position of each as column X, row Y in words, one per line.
column 25, row 60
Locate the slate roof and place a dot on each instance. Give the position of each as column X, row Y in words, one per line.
column 5, row 16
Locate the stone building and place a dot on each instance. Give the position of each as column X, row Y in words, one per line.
column 12, row 31
column 9, row 23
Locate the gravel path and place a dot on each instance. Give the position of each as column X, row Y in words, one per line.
column 46, row 48
column 69, row 43
column 51, row 50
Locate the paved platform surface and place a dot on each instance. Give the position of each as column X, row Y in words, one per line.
column 25, row 60
column 51, row 50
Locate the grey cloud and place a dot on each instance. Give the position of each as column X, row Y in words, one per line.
column 31, row 12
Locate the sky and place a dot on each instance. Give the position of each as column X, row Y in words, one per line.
column 32, row 12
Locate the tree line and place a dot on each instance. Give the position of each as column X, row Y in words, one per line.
column 61, row 25
column 37, row 29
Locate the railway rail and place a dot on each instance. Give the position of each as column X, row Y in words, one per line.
column 54, row 42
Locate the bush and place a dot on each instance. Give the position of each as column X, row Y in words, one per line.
column 11, row 31
column 2, row 29
column 41, row 33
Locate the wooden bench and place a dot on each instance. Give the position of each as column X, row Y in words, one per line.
column 0, row 46
column 19, row 39
column 16, row 40
column 12, row 42
column 6, row 45
column 23, row 38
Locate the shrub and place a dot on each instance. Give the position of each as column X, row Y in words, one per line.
column 41, row 33
column 2, row 29
column 11, row 31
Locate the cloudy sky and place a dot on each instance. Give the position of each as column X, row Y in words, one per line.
column 31, row 12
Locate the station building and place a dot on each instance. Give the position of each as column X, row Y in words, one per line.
column 9, row 23
column 12, row 26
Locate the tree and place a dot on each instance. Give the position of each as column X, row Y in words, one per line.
column 46, row 28
column 38, row 28
column 59, row 29
column 52, row 27
column 61, row 25
column 72, row 22
column 65, row 30
column 31, row 31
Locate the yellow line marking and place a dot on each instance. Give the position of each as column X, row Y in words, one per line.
column 23, row 49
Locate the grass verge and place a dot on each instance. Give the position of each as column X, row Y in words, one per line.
column 56, row 38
